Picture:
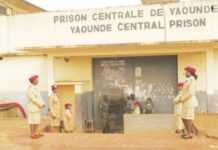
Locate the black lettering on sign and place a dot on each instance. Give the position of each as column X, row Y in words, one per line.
column 140, row 26
column 114, row 15
column 187, row 23
column 69, row 18
column 91, row 28
column 157, row 12
column 214, row 8
column 191, row 10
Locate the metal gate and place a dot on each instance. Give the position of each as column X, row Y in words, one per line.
column 152, row 77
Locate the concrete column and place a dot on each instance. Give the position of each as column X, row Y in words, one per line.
column 211, row 77
column 211, row 71
column 50, row 73
column 78, row 92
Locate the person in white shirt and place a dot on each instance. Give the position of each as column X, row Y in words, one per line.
column 35, row 106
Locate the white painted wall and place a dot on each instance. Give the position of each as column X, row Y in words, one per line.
column 4, row 32
column 16, row 70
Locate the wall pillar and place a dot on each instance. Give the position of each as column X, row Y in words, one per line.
column 50, row 73
column 211, row 76
column 79, row 111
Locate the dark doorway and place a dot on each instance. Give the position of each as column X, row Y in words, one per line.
column 154, row 77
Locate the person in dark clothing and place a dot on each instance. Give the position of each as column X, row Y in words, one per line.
column 149, row 106
column 104, row 109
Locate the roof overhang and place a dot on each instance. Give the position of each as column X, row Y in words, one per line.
column 146, row 2
column 24, row 5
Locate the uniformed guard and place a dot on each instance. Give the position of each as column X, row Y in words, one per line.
column 68, row 119
column 104, row 109
column 54, row 109
column 178, row 109
column 35, row 106
column 189, row 101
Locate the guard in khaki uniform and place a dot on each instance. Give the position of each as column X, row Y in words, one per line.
column 54, row 109
column 35, row 106
column 178, row 109
column 189, row 101
column 68, row 119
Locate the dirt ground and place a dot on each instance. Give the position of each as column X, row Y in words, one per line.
column 14, row 135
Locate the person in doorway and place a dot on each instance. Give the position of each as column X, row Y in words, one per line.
column 35, row 106
column 129, row 105
column 68, row 119
column 104, row 109
column 136, row 105
column 54, row 109
column 149, row 106
column 190, row 102
column 178, row 110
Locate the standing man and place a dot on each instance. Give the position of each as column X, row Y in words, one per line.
column 104, row 109
column 189, row 101
column 54, row 109
column 35, row 106
column 129, row 105
column 149, row 105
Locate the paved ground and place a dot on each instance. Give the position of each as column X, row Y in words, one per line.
column 14, row 136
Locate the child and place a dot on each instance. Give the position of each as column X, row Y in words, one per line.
column 178, row 109
column 68, row 119
column 55, row 109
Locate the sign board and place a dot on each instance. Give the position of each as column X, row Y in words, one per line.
column 191, row 21
column 136, row 24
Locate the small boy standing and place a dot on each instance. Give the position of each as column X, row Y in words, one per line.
column 68, row 119
column 178, row 109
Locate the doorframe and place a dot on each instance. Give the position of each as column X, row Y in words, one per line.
column 78, row 91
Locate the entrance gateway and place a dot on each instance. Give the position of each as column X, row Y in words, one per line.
column 152, row 77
